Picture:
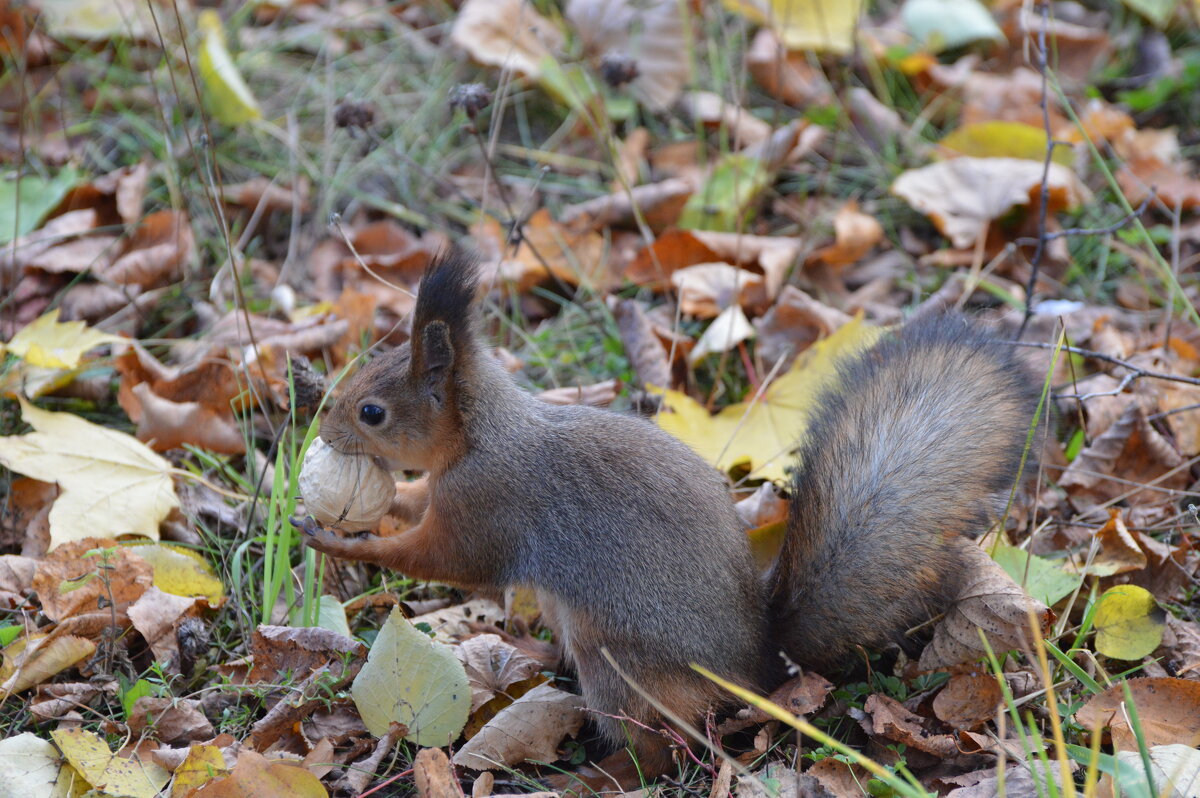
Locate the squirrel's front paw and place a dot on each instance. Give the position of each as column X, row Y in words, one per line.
column 320, row 538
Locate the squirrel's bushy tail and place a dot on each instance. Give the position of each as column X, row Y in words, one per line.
column 907, row 451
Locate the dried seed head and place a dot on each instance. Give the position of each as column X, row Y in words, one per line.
column 618, row 68
column 471, row 97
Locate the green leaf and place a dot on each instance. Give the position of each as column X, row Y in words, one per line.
column 413, row 680
column 1129, row 623
column 331, row 615
column 1041, row 578
column 723, row 202
column 945, row 24
column 37, row 197
column 1157, row 11
column 140, row 688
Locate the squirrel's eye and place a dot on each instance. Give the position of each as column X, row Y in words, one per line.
column 371, row 414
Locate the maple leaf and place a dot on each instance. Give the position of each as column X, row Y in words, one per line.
column 48, row 343
column 112, row 484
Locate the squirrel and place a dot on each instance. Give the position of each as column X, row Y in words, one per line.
column 630, row 539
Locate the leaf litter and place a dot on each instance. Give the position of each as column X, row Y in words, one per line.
column 729, row 216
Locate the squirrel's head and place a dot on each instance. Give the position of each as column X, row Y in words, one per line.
column 403, row 405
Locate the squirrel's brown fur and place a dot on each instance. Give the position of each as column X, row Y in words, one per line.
column 631, row 540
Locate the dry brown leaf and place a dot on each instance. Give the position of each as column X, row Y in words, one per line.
column 645, row 351
column 280, row 650
column 156, row 252
column 1173, row 183
column 1129, row 453
column 598, row 394
column 794, row 323
column 789, row 77
column 451, row 623
column 575, row 257
column 888, row 718
column 171, row 720
column 673, row 250
column 649, row 32
column 433, row 775
column 530, row 728
column 773, row 255
column 164, row 424
column 506, row 33
column 1181, row 647
column 968, row 700
column 66, row 565
column 156, row 616
column 989, row 600
column 706, row 289
column 841, row 779
column 1119, row 552
column 77, row 256
column 964, row 195
column 254, row 774
column 261, row 194
column 17, row 255
column 493, row 666
column 1168, row 711
column 54, row 701
column 658, row 203
column 714, row 112
column 855, row 234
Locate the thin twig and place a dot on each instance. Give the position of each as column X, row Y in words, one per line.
column 1116, row 361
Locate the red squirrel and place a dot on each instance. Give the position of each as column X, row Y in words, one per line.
column 630, row 539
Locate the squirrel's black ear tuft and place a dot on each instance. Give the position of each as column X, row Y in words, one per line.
column 447, row 294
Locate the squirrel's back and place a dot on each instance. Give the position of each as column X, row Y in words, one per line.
column 909, row 449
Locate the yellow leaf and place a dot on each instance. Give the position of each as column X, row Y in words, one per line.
column 112, row 484
column 105, row 771
column 182, row 572
column 411, row 679
column 820, row 25
column 1129, row 623
column 1005, row 140
column 202, row 764
column 227, row 95
column 48, row 343
column 30, row 661
column 763, row 434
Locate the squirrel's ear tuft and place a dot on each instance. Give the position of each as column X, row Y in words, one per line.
column 447, row 293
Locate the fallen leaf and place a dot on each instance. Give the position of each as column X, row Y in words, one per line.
column 412, row 680
column 820, row 25
column 35, row 196
column 946, row 24
column 32, row 661
column 1038, row 576
column 454, row 622
column 1128, row 622
column 1000, row 139
column 726, row 331
column 226, row 93
column 963, row 195
column 96, row 20
column 33, row 768
column 761, row 434
column 105, row 771
column 968, row 700
column 725, row 200
column 707, row 289
column 792, row 325
column 1129, row 453
column 506, row 33
column 530, row 728
column 202, row 764
column 112, row 484
column 1168, row 712
column 69, row 567
column 788, row 77
column 888, row 718
column 855, row 234
column 988, row 600
column 658, row 203
column 156, row 252
column 49, row 343
column 1176, row 769
column 256, row 775
column 643, row 348
column 171, row 719
column 492, row 666
column 1119, row 552
column 157, row 615
column 712, row 110
column 649, row 32
column 433, row 775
